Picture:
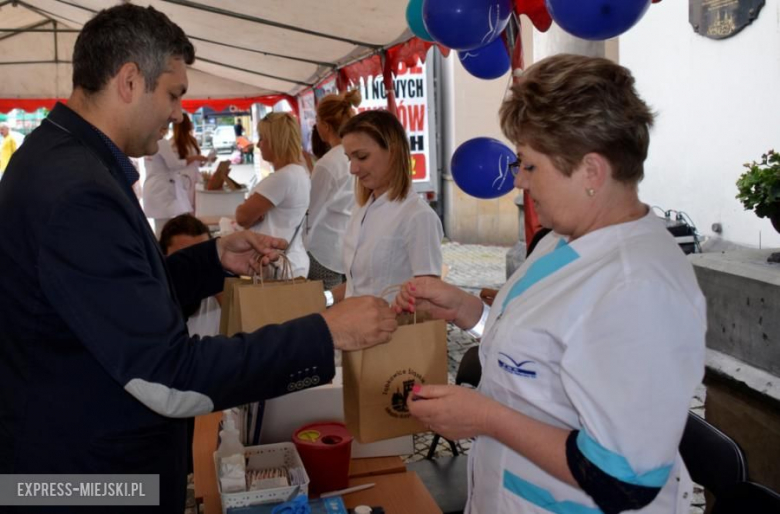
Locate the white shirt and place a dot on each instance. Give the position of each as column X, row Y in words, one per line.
column 288, row 189
column 604, row 335
column 332, row 201
column 388, row 243
column 165, row 194
column 205, row 322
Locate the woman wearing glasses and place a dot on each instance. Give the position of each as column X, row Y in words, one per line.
column 277, row 205
column 592, row 350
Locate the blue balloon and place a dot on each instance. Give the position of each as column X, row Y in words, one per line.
column 415, row 20
column 489, row 62
column 466, row 24
column 597, row 19
column 480, row 167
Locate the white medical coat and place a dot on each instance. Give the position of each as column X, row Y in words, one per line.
column 165, row 192
column 604, row 335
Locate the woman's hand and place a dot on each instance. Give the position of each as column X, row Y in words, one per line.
column 442, row 300
column 246, row 252
column 458, row 412
column 453, row 411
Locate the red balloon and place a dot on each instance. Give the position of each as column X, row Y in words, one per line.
column 536, row 10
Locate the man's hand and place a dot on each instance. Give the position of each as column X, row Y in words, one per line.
column 246, row 252
column 360, row 322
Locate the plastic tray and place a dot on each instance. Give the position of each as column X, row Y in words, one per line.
column 262, row 457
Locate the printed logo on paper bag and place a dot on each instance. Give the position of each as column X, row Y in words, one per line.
column 398, row 387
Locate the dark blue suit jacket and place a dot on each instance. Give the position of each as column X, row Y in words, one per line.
column 97, row 370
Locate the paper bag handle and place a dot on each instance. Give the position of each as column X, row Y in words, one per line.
column 397, row 287
column 287, row 271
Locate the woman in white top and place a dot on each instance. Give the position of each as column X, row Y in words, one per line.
column 593, row 349
column 332, row 192
column 165, row 191
column 186, row 148
column 277, row 205
column 393, row 235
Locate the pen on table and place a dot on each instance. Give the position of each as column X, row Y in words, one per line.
column 347, row 490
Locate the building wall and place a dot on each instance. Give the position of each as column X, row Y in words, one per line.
column 470, row 109
column 717, row 105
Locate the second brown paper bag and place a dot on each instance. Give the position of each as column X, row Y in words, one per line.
column 378, row 381
column 247, row 306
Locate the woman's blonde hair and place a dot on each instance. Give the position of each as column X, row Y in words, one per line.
column 567, row 106
column 283, row 134
column 385, row 129
column 336, row 110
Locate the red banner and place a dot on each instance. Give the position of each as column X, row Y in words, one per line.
column 189, row 105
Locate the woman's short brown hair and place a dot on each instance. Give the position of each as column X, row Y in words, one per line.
column 385, row 129
column 283, row 134
column 567, row 106
column 335, row 110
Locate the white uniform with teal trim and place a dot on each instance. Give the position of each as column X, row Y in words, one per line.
column 604, row 335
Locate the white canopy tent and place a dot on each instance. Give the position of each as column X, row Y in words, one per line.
column 243, row 48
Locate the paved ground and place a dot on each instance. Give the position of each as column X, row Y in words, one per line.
column 474, row 267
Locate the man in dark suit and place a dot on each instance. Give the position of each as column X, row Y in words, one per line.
column 97, row 370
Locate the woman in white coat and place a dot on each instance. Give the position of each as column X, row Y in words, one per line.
column 594, row 347
column 332, row 192
column 186, row 148
column 278, row 203
column 165, row 191
column 392, row 235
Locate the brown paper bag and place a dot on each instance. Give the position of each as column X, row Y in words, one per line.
column 378, row 381
column 217, row 179
column 247, row 306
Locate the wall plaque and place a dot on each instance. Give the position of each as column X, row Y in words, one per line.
column 719, row 19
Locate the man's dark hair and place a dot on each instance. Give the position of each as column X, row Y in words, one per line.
column 127, row 33
column 184, row 224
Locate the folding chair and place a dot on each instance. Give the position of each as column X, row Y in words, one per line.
column 714, row 460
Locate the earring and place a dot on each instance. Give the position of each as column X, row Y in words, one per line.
column 590, row 191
